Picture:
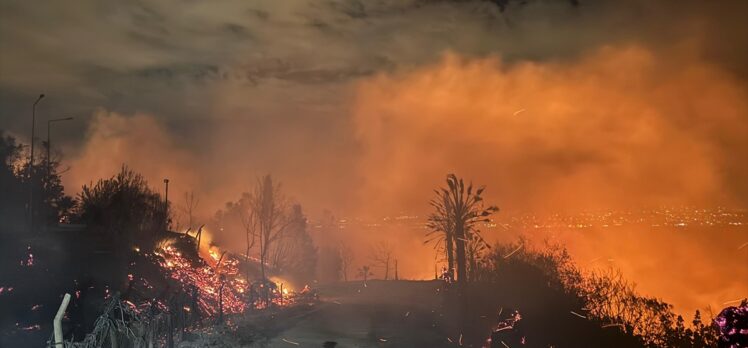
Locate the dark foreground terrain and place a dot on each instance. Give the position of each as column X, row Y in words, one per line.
column 382, row 314
column 398, row 314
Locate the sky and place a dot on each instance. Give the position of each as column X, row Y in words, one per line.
column 362, row 107
column 348, row 102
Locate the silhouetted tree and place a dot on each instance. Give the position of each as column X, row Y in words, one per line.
column 126, row 211
column 381, row 256
column 123, row 206
column 475, row 247
column 459, row 209
column 346, row 258
column 246, row 215
column 329, row 265
column 51, row 203
column 270, row 214
column 236, row 216
column 56, row 205
column 295, row 252
column 442, row 229
column 365, row 272
column 604, row 299
column 190, row 204
column 12, row 199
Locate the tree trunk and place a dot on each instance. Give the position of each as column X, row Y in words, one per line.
column 473, row 265
column 345, row 269
column 262, row 256
column 461, row 259
column 387, row 269
column 396, row 276
column 449, row 241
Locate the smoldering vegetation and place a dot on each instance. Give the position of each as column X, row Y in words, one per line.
column 633, row 131
column 625, row 126
column 560, row 107
column 115, row 242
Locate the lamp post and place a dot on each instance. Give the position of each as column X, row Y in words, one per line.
column 49, row 144
column 31, row 164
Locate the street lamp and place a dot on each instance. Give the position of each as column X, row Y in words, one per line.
column 49, row 144
column 31, row 164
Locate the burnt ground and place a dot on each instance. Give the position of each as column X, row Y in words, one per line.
column 418, row 314
column 380, row 314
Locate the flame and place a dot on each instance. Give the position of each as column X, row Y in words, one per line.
column 208, row 251
column 281, row 281
column 216, row 283
column 211, row 282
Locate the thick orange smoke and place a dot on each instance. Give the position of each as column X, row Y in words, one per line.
column 622, row 127
column 619, row 127
column 141, row 143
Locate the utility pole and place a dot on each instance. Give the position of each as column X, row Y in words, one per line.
column 31, row 164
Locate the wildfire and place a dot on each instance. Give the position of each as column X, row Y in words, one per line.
column 282, row 282
column 213, row 285
column 214, row 255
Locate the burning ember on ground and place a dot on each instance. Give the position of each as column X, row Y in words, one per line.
column 214, row 281
column 29, row 261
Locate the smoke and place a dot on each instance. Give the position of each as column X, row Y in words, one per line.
column 622, row 127
column 139, row 142
column 555, row 109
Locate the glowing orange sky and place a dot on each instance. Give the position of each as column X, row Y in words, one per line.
column 623, row 126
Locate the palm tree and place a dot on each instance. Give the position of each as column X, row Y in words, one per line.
column 459, row 210
column 442, row 229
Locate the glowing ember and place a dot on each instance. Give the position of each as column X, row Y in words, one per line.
column 30, row 328
column 214, row 285
column 212, row 282
column 29, row 259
